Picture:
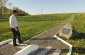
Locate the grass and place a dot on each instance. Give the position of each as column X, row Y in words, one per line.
column 31, row 25
column 79, row 41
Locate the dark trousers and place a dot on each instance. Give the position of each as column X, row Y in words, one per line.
column 16, row 34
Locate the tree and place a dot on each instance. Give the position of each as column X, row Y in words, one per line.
column 2, row 7
column 2, row 3
column 21, row 12
column 10, row 6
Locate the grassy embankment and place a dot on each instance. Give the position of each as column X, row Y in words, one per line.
column 79, row 41
column 31, row 25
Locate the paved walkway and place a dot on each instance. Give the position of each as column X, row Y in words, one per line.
column 46, row 39
column 43, row 40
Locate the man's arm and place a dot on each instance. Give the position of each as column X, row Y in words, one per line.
column 16, row 29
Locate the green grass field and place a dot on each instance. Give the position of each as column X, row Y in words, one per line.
column 31, row 25
column 79, row 41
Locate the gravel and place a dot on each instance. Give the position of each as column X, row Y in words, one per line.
column 8, row 49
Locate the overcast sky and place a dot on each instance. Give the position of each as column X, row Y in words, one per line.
column 49, row 6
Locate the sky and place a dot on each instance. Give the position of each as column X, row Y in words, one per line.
column 49, row 6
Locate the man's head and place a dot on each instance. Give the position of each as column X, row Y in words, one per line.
column 15, row 12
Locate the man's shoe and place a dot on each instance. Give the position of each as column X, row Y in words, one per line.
column 20, row 42
column 16, row 45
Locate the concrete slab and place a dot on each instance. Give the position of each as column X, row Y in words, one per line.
column 57, row 52
column 4, row 42
column 27, row 50
column 45, row 51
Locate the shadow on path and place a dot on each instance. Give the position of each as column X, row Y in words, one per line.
column 43, row 39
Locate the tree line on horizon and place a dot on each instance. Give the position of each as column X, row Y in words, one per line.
column 4, row 11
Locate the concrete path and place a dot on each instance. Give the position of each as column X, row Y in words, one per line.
column 46, row 39
column 43, row 40
column 45, row 51
column 57, row 52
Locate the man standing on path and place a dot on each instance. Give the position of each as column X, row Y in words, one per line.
column 14, row 27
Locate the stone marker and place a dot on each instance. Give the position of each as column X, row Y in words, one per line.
column 68, row 32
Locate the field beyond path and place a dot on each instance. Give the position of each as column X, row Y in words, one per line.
column 49, row 39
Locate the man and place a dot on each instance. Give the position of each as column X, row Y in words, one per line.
column 14, row 27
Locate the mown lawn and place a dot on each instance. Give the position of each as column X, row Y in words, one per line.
column 31, row 25
column 79, row 41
